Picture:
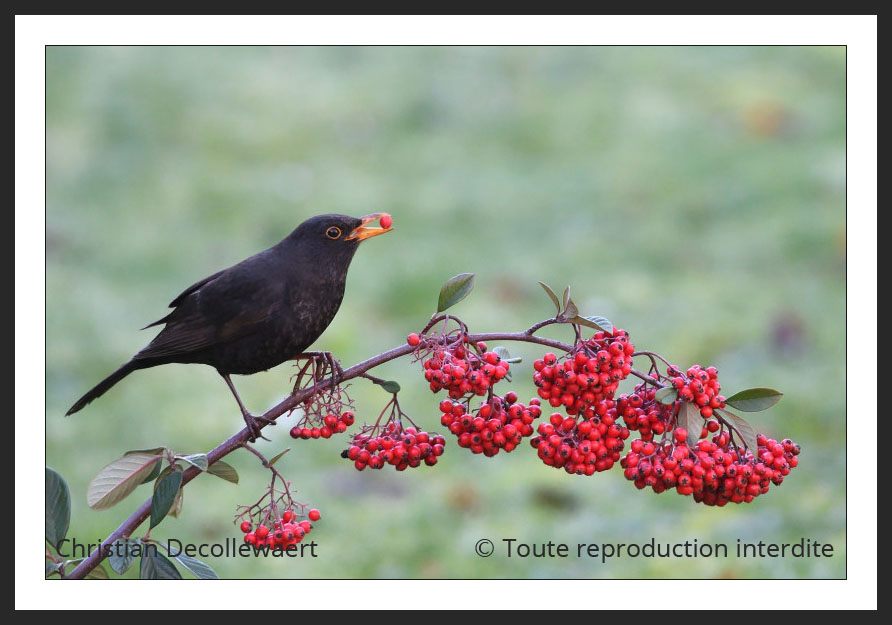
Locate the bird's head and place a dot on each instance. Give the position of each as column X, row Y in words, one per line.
column 336, row 237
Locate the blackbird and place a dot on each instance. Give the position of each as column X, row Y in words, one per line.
column 261, row 312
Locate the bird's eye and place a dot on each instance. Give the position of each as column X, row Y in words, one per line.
column 333, row 233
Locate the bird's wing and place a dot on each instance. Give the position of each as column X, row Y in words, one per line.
column 182, row 297
column 229, row 305
column 186, row 293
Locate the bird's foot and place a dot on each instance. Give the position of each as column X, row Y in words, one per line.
column 254, row 424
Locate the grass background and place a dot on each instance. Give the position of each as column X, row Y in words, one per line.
column 693, row 195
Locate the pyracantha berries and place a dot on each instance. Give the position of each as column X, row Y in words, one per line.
column 715, row 472
column 587, row 375
column 580, row 445
column 401, row 448
column 500, row 423
column 464, row 371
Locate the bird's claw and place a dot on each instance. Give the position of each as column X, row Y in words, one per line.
column 254, row 425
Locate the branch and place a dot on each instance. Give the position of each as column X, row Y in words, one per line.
column 289, row 403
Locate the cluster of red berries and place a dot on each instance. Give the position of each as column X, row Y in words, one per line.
column 402, row 448
column 641, row 412
column 590, row 373
column 462, row 371
column 582, row 446
column 714, row 472
column 499, row 424
column 331, row 424
column 286, row 532
column 699, row 386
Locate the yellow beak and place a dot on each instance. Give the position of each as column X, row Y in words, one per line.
column 363, row 232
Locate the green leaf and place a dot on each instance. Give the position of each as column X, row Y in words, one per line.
column 505, row 355
column 57, row 507
column 154, row 451
column 118, row 479
column 689, row 418
column 455, row 290
column 177, row 506
column 166, row 489
column 553, row 296
column 53, row 568
column 196, row 567
column 601, row 323
column 666, row 395
column 566, row 297
column 153, row 565
column 508, row 376
column 122, row 553
column 592, row 321
column 199, row 461
column 278, row 455
column 154, row 474
column 98, row 573
column 224, row 471
column 390, row 386
column 754, row 399
column 744, row 429
column 571, row 311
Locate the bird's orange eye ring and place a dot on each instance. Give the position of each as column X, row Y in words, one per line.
column 333, row 233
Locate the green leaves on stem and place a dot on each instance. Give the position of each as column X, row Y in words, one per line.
column 566, row 311
column 57, row 507
column 754, row 399
column 689, row 418
column 455, row 290
column 389, row 385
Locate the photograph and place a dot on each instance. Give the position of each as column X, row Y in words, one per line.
column 427, row 317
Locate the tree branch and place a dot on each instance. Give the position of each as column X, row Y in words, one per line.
column 292, row 401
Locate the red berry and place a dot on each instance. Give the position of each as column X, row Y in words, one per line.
column 246, row 526
column 386, row 221
column 413, row 339
column 314, row 515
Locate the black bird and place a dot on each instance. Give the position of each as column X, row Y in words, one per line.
column 261, row 312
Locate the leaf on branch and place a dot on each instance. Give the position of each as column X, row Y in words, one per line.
column 122, row 553
column 744, row 429
column 53, row 568
column 177, row 506
column 224, row 471
column 118, row 479
column 390, row 386
column 164, row 497
column 754, row 399
column 571, row 311
column 153, row 565
column 566, row 299
column 97, row 573
column 199, row 461
column 57, row 507
column 553, row 296
column 198, row 568
column 154, row 474
column 455, row 290
column 601, row 323
column 278, row 455
column 154, row 451
column 689, row 418
column 666, row 395
column 596, row 323
column 505, row 355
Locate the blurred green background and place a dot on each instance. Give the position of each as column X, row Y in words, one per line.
column 695, row 196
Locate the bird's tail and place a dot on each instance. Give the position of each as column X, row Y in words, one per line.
column 122, row 372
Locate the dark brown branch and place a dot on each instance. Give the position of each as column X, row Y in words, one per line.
column 289, row 403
